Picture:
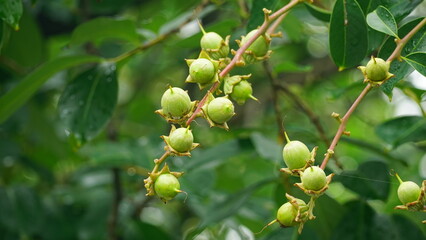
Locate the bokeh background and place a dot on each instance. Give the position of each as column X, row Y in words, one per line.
column 56, row 187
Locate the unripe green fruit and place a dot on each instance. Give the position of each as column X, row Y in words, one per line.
column 296, row 154
column 211, row 40
column 181, row 140
column 241, row 92
column 220, row 110
column 259, row 47
column 175, row 102
column 166, row 186
column 313, row 178
column 377, row 69
column 202, row 70
column 287, row 213
column 408, row 192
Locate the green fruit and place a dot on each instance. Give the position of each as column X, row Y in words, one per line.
column 296, row 154
column 287, row 213
column 377, row 69
column 211, row 40
column 408, row 192
column 220, row 110
column 166, row 186
column 242, row 91
column 313, row 178
column 181, row 140
column 259, row 47
column 175, row 102
column 202, row 71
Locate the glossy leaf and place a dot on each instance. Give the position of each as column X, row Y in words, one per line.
column 105, row 28
column 403, row 129
column 383, row 21
column 11, row 12
column 88, row 101
column 402, row 69
column 370, row 180
column 418, row 61
column 318, row 13
column 348, row 34
column 399, row 8
column 256, row 13
column 16, row 97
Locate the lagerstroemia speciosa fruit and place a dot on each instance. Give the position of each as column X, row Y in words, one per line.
column 259, row 47
column 286, row 214
column 313, row 178
column 408, row 192
column 202, row 70
column 181, row 140
column 167, row 186
column 376, row 70
column 242, row 91
column 175, row 102
column 214, row 45
column 220, row 110
column 295, row 154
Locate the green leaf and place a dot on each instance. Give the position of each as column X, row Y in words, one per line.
column 318, row 13
column 383, row 21
column 88, row 101
column 370, row 180
column 105, row 28
column 231, row 204
column 266, row 148
column 291, row 67
column 348, row 34
column 418, row 61
column 11, row 12
column 15, row 98
column 359, row 219
column 403, row 129
column 407, row 229
column 402, row 69
column 256, row 14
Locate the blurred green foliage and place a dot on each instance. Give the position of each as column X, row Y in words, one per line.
column 58, row 185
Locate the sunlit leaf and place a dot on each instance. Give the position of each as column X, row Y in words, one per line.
column 383, row 21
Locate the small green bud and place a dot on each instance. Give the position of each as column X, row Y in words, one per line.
column 286, row 214
column 181, row 140
column 313, row 178
column 220, row 110
column 296, row 154
column 202, row 71
column 408, row 192
column 377, row 69
column 211, row 40
column 167, row 186
column 242, row 91
column 175, row 102
column 259, row 47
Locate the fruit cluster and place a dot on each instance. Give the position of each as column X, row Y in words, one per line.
column 178, row 109
column 314, row 182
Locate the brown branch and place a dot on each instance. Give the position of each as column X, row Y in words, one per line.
column 118, row 195
column 238, row 55
column 396, row 54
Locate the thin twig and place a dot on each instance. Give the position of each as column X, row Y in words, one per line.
column 275, row 25
column 160, row 38
column 238, row 55
column 278, row 113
